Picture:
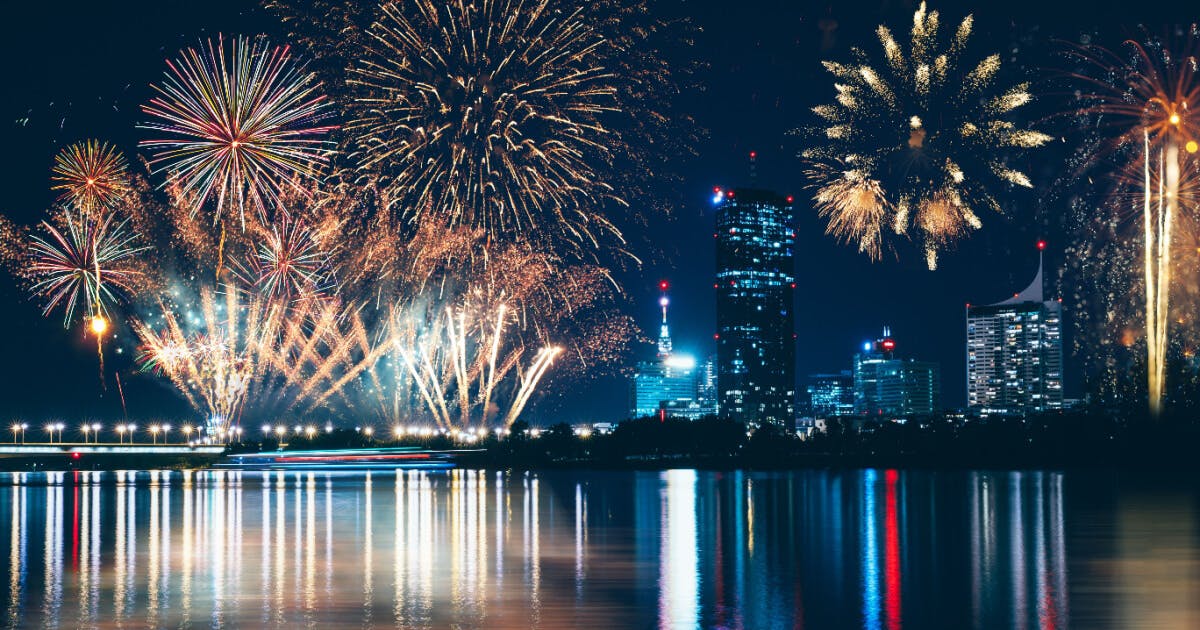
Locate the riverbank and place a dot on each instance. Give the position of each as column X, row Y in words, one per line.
column 1058, row 441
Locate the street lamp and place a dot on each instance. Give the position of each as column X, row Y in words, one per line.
column 85, row 428
column 369, row 431
column 187, row 432
column 96, row 431
column 154, row 432
column 310, row 431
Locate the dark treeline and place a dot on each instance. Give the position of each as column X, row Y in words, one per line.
column 1059, row 440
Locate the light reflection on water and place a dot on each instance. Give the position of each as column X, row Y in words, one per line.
column 678, row 549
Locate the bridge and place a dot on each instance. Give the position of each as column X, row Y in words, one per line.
column 92, row 455
column 79, row 449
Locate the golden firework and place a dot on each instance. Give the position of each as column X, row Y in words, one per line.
column 916, row 141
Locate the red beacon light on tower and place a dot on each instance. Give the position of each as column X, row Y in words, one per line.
column 1041, row 245
column 888, row 344
column 663, row 285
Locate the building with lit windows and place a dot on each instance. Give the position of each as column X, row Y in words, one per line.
column 831, row 395
column 885, row 385
column 672, row 384
column 1014, row 353
column 756, row 352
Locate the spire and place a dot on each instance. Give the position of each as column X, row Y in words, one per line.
column 1035, row 292
column 664, row 333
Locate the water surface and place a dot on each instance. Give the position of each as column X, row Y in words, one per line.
column 676, row 549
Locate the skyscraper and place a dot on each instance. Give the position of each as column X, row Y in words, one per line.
column 671, row 384
column 1014, row 353
column 888, row 386
column 756, row 349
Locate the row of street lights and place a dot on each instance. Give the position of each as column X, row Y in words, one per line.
column 91, row 432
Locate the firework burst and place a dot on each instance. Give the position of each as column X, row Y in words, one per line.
column 914, row 144
column 91, row 175
column 288, row 263
column 240, row 124
column 490, row 115
column 83, row 261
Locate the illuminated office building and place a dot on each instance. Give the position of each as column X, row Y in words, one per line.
column 885, row 385
column 1014, row 353
column 756, row 351
column 672, row 384
column 831, row 395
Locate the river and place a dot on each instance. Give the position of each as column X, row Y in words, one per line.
column 674, row 549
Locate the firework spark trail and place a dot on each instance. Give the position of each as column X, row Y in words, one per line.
column 456, row 363
column 241, row 125
column 217, row 359
column 489, row 114
column 92, row 175
column 910, row 144
column 1158, row 222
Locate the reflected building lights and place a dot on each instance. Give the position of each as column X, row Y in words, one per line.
column 679, row 577
column 1016, row 532
column 869, row 556
column 891, row 574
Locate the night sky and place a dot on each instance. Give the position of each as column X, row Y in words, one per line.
column 79, row 70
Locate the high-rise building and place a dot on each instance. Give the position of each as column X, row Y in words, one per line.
column 706, row 383
column 671, row 384
column 831, row 395
column 1014, row 353
column 756, row 349
column 888, row 386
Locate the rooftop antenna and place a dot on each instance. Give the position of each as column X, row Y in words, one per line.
column 753, row 166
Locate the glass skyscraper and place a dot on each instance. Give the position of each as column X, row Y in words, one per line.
column 1014, row 353
column 756, row 348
